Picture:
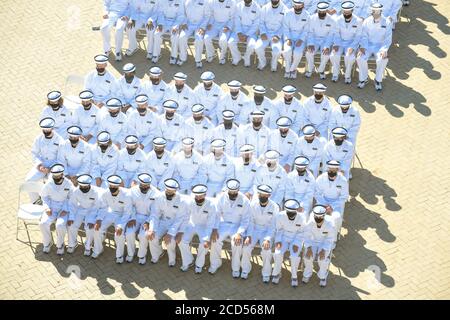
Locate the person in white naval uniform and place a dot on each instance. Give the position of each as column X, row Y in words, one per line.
column 263, row 213
column 180, row 92
column 143, row 15
column 116, row 14
column 390, row 9
column 56, row 110
column 160, row 164
column 208, row 94
column 199, row 220
column 143, row 197
column 259, row 103
column 173, row 125
column 105, row 157
column 236, row 101
column 188, row 166
column 55, row 197
column 127, row 87
column 218, row 167
column 100, row 81
column 284, row 140
column 346, row 41
column 291, row 107
column 228, row 131
column 270, row 33
column 86, row 116
column 289, row 236
column 245, row 169
column 246, row 24
column 295, row 31
column 144, row 123
column 155, row 89
column 322, row 27
column 317, row 110
column 171, row 17
column 114, row 122
column 170, row 209
column 198, row 13
column 312, row 147
column 318, row 241
column 255, row 133
column 117, row 210
column 339, row 149
column 301, row 184
column 131, row 161
column 84, row 203
column 346, row 115
column 220, row 26
column 272, row 174
column 376, row 40
column 233, row 218
column 44, row 153
column 200, row 128
column 75, row 155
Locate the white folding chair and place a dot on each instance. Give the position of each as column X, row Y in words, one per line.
column 29, row 213
column 74, row 84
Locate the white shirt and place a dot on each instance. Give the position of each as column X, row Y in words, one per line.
column 143, row 202
column 45, row 151
column 271, row 22
column 155, row 94
column 77, row 158
column 100, row 85
column 160, row 169
column 247, row 19
column 233, row 212
column 168, row 213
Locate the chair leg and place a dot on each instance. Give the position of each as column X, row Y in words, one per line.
column 29, row 238
column 17, row 229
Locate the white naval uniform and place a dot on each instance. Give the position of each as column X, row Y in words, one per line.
column 261, row 228
column 155, row 94
column 222, row 15
column 146, row 127
column 351, row 120
column 127, row 92
column 117, row 211
column 362, row 8
column 187, row 171
column 186, row 98
column 87, row 120
column 173, row 130
column 311, row 5
column 160, row 169
column 314, row 151
column 232, row 217
column 266, row 106
column 246, row 21
column 390, row 8
column 104, row 164
column 115, row 9
column 376, row 38
column 295, row 28
column 347, row 36
column 171, row 16
column 301, row 188
column 200, row 221
column 320, row 35
column 130, row 165
column 100, row 85
column 343, row 153
column 290, row 233
column 143, row 12
column 230, row 136
column 76, row 161
column 260, row 139
column 318, row 239
column 284, row 145
column 275, row 179
column 293, row 111
column 318, row 114
column 201, row 132
column 143, row 205
column 83, row 208
column 55, row 197
column 116, row 126
column 209, row 99
column 197, row 16
column 166, row 218
column 216, row 173
column 246, row 174
column 62, row 119
column 239, row 106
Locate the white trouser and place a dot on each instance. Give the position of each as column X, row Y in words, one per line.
column 60, row 224
column 185, row 249
column 216, row 31
column 226, row 230
column 157, row 42
column 364, row 68
column 257, row 236
column 72, row 231
column 292, row 56
column 288, row 243
column 155, row 244
column 99, row 236
column 130, row 235
column 310, row 59
column 183, row 43
column 113, row 20
column 35, row 175
column 132, row 41
column 309, row 263
column 260, row 49
column 235, row 53
column 349, row 60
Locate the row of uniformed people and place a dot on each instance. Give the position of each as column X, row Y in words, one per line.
column 290, row 31
column 167, row 216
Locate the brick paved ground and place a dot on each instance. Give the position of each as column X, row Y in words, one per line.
column 397, row 219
